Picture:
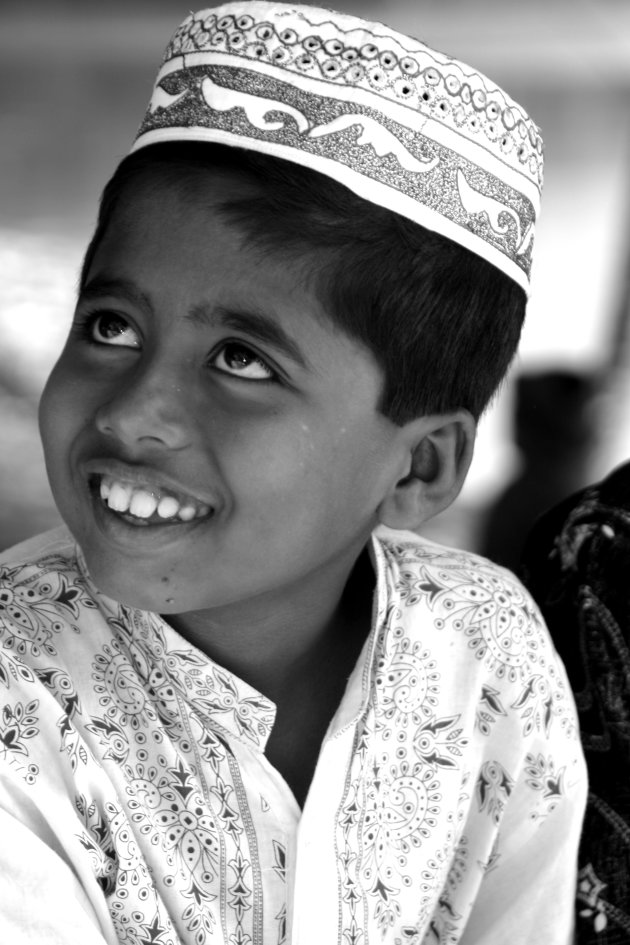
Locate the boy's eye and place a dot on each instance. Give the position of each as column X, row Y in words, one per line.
column 237, row 359
column 107, row 328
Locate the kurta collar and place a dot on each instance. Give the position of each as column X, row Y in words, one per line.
column 174, row 669
column 162, row 656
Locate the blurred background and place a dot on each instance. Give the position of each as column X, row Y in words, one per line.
column 75, row 78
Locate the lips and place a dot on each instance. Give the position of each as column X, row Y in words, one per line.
column 144, row 502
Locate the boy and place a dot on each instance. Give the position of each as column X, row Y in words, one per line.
column 233, row 712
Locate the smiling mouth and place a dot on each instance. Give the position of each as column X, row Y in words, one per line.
column 147, row 504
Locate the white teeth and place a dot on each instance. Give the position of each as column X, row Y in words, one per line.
column 167, row 507
column 119, row 496
column 143, row 504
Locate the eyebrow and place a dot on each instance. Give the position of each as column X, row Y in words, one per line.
column 255, row 324
column 99, row 288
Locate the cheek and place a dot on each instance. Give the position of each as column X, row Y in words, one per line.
column 314, row 466
column 280, row 475
column 51, row 412
column 62, row 409
column 269, row 451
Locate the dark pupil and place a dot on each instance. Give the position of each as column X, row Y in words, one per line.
column 238, row 357
column 109, row 326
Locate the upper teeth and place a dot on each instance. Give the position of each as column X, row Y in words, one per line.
column 143, row 502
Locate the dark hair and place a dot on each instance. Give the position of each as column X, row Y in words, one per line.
column 442, row 323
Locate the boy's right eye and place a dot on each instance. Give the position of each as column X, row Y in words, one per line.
column 108, row 328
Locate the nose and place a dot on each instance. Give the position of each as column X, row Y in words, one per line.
column 147, row 407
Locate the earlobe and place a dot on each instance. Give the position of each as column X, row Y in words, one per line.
column 440, row 449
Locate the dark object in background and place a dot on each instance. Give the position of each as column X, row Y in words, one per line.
column 577, row 566
column 554, row 433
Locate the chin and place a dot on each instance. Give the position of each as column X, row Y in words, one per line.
column 126, row 585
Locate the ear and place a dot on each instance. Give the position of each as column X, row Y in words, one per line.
column 440, row 449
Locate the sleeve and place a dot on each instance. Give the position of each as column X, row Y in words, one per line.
column 527, row 891
column 41, row 899
column 531, row 787
column 49, row 890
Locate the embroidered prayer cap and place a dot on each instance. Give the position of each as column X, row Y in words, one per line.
column 398, row 123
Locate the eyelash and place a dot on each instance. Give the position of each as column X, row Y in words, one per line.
column 85, row 324
column 242, row 346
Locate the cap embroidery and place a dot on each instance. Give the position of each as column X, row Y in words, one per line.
column 398, row 123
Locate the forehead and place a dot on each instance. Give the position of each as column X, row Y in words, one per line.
column 185, row 199
column 154, row 194
column 169, row 247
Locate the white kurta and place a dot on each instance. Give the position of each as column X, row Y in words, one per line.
column 137, row 805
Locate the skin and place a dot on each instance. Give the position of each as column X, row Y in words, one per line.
column 166, row 379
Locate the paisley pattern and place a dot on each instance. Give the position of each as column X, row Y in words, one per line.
column 454, row 749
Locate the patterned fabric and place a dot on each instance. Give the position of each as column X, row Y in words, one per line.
column 395, row 121
column 577, row 563
column 137, row 805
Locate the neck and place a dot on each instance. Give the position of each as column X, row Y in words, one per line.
column 274, row 644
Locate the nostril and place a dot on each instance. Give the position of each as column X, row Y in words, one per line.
column 136, row 416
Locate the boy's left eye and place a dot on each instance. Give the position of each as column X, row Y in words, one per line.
column 237, row 359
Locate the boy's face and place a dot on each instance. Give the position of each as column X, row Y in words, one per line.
column 231, row 429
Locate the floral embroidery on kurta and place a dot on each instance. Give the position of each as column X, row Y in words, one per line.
column 454, row 745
